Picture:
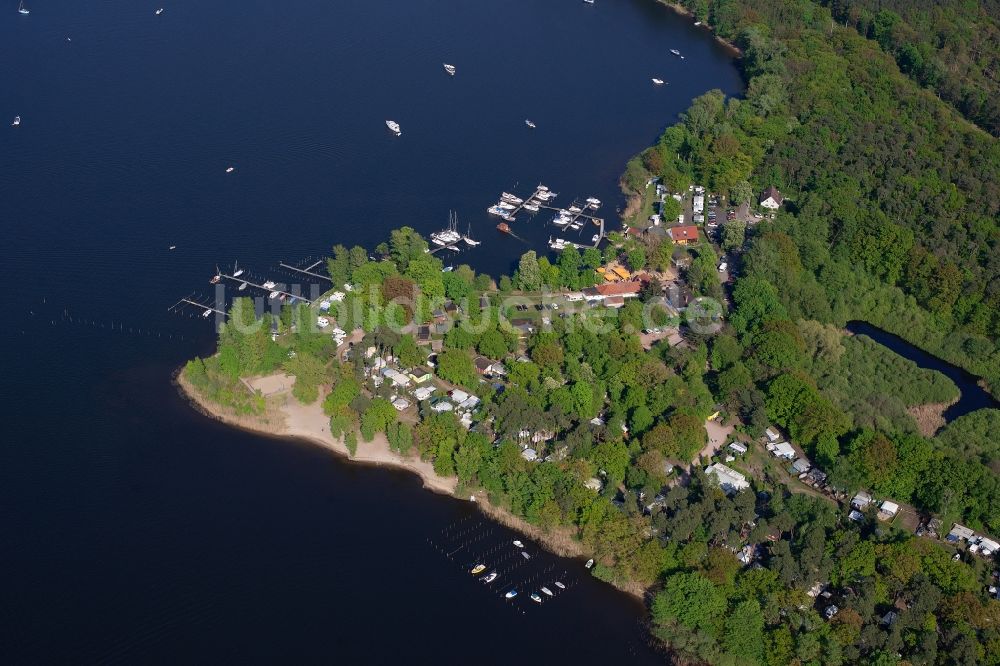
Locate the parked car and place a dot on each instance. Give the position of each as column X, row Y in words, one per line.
column 723, row 266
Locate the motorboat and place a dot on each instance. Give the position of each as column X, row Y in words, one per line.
column 575, row 209
column 478, row 569
column 274, row 294
column 547, row 591
column 514, row 199
column 504, row 227
column 531, row 207
column 490, row 577
column 525, row 555
column 206, row 314
column 21, row 9
column 530, row 124
column 658, row 82
column 496, row 210
column 534, row 597
column 269, row 285
column 172, row 247
column 557, row 244
column 576, row 226
column 159, row 11
column 560, row 585
column 589, row 563
column 595, row 238
column 450, row 69
column 675, row 52
column 518, row 544
column 594, row 202
column 394, row 127
column 506, row 205
column 17, row 121
column 511, row 594
column 243, row 286
column 230, row 169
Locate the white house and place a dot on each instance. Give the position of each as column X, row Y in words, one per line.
column 442, row 406
column 782, row 450
column 423, row 393
column 771, row 198
column 773, row 435
column 400, row 404
column 529, row 454
column 469, row 403
column 459, row 396
column 861, row 501
column 888, row 510
column 396, row 377
column 738, row 448
column 728, row 478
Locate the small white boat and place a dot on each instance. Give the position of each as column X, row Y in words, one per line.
column 237, row 271
column 658, row 82
column 595, row 238
column 589, row 2
column 576, row 226
column 512, row 198
column 206, row 314
column 490, row 577
column 697, row 23
column 675, row 52
column 269, row 285
column 525, row 555
column 506, row 205
column 275, row 294
column 511, row 594
column 530, row 124
column 17, row 121
column 243, row 286
column 518, row 544
column 589, row 563
column 230, row 169
column 547, row 591
column 394, row 126
column 159, row 11
column 21, row 9
column 560, row 585
column 531, row 207
column 534, row 597
column 450, row 69
column 575, row 209
column 542, row 188
column 172, row 247
column 594, row 201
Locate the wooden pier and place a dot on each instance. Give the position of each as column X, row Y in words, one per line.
column 308, row 270
column 240, row 280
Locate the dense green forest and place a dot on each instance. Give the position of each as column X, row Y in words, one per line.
column 892, row 201
column 950, row 46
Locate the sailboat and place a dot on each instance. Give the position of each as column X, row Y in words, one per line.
column 17, row 121
column 468, row 238
column 21, row 9
column 530, row 124
column 237, row 271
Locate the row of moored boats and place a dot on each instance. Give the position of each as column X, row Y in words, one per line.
column 535, row 596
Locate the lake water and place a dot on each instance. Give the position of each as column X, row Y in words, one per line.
column 136, row 530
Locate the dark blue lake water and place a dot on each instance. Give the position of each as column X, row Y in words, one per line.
column 136, row 530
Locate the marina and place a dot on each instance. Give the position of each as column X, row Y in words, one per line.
column 573, row 217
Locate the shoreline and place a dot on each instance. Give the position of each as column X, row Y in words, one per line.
column 293, row 420
column 684, row 11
